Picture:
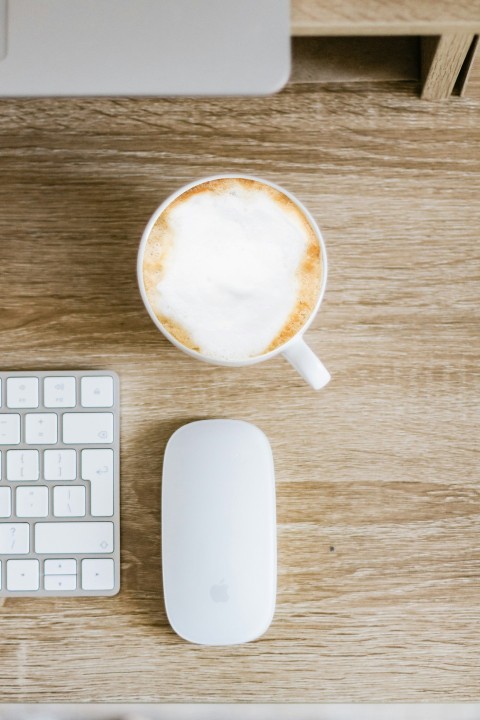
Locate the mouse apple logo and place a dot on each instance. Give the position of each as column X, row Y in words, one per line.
column 219, row 592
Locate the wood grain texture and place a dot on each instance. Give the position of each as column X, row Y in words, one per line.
column 384, row 17
column 378, row 497
column 466, row 73
column 473, row 87
column 442, row 59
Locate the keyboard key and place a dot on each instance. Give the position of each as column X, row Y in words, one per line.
column 97, row 391
column 60, row 582
column 74, row 537
column 59, row 392
column 32, row 501
column 22, row 392
column 60, row 464
column 98, row 574
column 97, row 466
column 22, row 465
column 60, row 567
column 5, row 502
column 69, row 501
column 14, row 538
column 23, row 575
column 87, row 428
column 9, row 429
column 59, row 478
column 41, row 428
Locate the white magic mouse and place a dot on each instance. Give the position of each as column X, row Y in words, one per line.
column 219, row 546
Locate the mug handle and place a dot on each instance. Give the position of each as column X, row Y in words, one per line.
column 307, row 364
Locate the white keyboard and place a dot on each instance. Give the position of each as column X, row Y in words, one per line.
column 59, row 483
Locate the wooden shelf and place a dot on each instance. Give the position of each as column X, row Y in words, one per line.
column 449, row 32
column 355, row 59
column 385, row 17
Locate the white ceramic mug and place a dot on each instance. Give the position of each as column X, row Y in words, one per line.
column 295, row 350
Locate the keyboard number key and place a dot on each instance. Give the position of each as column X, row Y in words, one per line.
column 9, row 429
column 98, row 574
column 23, row 575
column 41, row 428
column 22, row 392
column 59, row 392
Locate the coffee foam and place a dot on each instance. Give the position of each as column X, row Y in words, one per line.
column 232, row 269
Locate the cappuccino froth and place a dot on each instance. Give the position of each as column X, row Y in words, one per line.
column 232, row 269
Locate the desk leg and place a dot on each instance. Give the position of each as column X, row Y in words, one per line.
column 443, row 58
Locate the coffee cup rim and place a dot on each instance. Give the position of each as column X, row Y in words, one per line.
column 194, row 353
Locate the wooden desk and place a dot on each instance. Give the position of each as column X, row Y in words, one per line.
column 449, row 31
column 377, row 476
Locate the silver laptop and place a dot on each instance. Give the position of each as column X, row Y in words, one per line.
column 143, row 47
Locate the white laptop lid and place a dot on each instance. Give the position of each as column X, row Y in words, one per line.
column 143, row 47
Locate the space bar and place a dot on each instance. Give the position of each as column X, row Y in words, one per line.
column 74, row 537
